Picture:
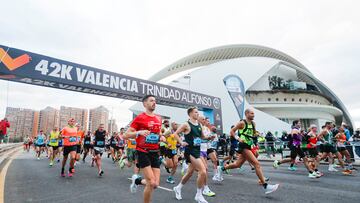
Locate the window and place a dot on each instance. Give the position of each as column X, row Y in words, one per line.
column 277, row 99
column 300, row 100
column 285, row 99
column 306, row 100
column 292, row 99
column 312, row 101
column 269, row 99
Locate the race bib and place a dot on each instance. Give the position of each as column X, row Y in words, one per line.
column 174, row 151
column 87, row 142
column 72, row 139
column 53, row 140
column 121, row 142
column 100, row 143
column 197, row 141
column 114, row 142
column 133, row 142
column 152, row 138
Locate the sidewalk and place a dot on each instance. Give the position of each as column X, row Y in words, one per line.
column 264, row 157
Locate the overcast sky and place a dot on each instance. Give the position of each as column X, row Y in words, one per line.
column 138, row 38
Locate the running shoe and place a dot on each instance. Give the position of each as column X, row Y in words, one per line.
column 216, row 178
column 292, row 168
column 313, row 175
column 177, row 191
column 133, row 186
column 70, row 174
column 332, row 169
column 347, row 172
column 170, row 180
column 62, row 175
column 276, row 164
column 208, row 193
column 271, row 188
column 101, row 173
column 122, row 163
column 51, row 164
column 319, row 173
column 200, row 199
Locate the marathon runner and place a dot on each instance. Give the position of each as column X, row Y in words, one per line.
column 212, row 153
column 233, row 145
column 100, row 136
column 54, row 144
column 80, row 138
column 204, row 153
column 247, row 131
column 146, row 128
column 69, row 136
column 193, row 134
column 27, row 141
column 40, row 141
column 87, row 145
column 341, row 147
column 171, row 152
column 130, row 157
column 312, row 148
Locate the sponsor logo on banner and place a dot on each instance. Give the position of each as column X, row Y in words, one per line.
column 236, row 90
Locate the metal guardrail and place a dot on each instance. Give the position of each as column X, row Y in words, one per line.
column 6, row 147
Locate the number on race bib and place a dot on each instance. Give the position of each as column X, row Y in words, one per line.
column 72, row 139
column 152, row 138
column 197, row 141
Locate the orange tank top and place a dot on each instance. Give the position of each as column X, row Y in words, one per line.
column 69, row 136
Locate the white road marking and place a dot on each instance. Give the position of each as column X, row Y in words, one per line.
column 163, row 188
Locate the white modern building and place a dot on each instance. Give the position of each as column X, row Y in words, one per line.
column 278, row 87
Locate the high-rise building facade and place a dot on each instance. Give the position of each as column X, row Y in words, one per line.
column 99, row 115
column 80, row 115
column 23, row 122
column 48, row 119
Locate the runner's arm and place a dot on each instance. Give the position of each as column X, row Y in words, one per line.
column 183, row 128
column 239, row 125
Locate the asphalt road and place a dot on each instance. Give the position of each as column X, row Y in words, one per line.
column 31, row 180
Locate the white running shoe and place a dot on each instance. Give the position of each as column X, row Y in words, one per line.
column 313, row 175
column 216, row 178
column 133, row 186
column 276, row 164
column 177, row 191
column 220, row 173
column 271, row 188
column 208, row 193
column 200, row 199
column 332, row 169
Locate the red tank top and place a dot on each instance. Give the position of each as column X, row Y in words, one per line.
column 152, row 124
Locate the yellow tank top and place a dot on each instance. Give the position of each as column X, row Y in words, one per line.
column 54, row 138
column 171, row 141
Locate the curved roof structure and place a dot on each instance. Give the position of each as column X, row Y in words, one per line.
column 217, row 54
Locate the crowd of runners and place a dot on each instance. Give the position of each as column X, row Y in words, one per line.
column 150, row 142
